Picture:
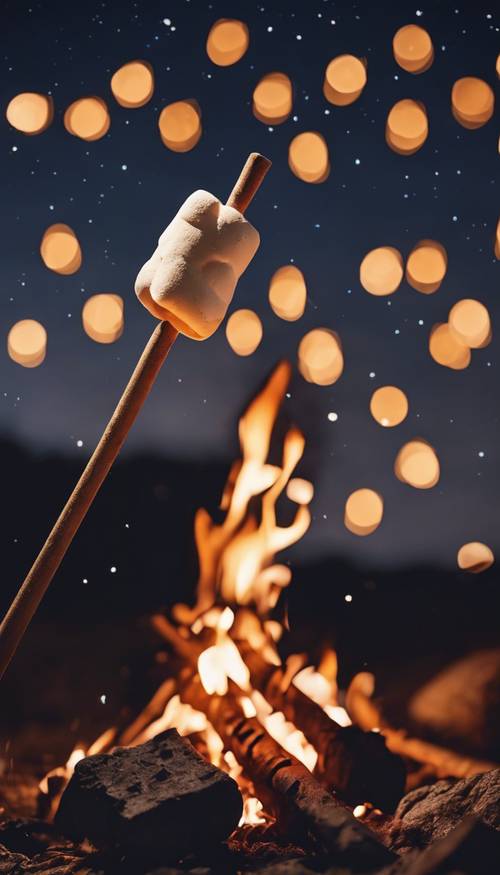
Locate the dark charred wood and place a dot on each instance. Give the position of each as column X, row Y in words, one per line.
column 285, row 784
column 356, row 764
column 160, row 800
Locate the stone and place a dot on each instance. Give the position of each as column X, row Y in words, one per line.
column 431, row 812
column 461, row 704
column 160, row 800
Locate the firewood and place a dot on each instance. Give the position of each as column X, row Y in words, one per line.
column 356, row 764
column 445, row 763
column 160, row 800
column 281, row 780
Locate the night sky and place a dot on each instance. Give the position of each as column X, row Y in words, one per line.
column 119, row 193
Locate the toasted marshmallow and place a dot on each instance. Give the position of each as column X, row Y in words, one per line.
column 191, row 277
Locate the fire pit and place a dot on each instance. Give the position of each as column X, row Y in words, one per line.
column 248, row 757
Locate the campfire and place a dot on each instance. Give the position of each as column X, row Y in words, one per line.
column 319, row 769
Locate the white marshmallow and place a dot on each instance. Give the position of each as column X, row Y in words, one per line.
column 191, row 277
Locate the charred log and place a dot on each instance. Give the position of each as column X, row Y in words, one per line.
column 356, row 764
column 284, row 783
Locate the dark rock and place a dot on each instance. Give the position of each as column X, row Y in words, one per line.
column 430, row 812
column 160, row 800
column 462, row 703
column 471, row 848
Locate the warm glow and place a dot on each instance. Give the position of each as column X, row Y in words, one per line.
column 244, row 332
column 381, row 271
column 288, row 293
column 345, row 78
column 180, row 125
column 222, row 661
column 102, row 317
column 389, row 406
column 413, row 50
column 300, row 491
column 87, row 118
column 227, row 41
column 30, row 113
column 364, row 510
column 407, row 127
column 446, row 349
column 469, row 320
column 60, row 249
column 320, row 357
column 426, row 266
column 475, row 557
column 417, row 465
column 272, row 98
column 27, row 343
column 133, row 84
column 472, row 102
column 308, row 157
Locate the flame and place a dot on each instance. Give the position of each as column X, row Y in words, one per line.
column 222, row 661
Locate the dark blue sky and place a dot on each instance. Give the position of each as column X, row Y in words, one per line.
column 447, row 191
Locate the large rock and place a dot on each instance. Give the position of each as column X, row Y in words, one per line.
column 431, row 812
column 160, row 800
column 462, row 703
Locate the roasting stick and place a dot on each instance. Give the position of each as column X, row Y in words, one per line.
column 52, row 553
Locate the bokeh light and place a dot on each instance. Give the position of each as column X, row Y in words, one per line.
column 472, row 102
column 300, row 491
column 381, row 271
column 413, row 49
column 102, row 317
column 87, row 118
column 60, row 249
column 27, row 343
column 288, row 293
column 320, row 358
column 363, row 513
column 389, row 406
column 180, row 125
column 308, row 157
column 227, row 41
column 244, row 332
column 133, row 84
column 272, row 98
column 345, row 78
column 470, row 321
column 417, row 465
column 475, row 557
column 407, row 127
column 426, row 266
column 446, row 349
column 30, row 112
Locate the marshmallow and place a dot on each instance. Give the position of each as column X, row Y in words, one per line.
column 191, row 277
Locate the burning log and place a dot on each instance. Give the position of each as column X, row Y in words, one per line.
column 283, row 782
column 354, row 763
column 160, row 800
column 444, row 762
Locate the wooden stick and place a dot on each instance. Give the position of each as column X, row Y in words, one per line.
column 52, row 553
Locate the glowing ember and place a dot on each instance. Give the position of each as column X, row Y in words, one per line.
column 102, row 317
column 288, row 293
column 469, row 321
column 472, row 102
column 133, row 84
column 320, row 357
column 363, row 512
column 381, row 271
column 447, row 349
column 87, row 118
column 389, row 406
column 244, row 332
column 30, row 113
column 426, row 266
column 60, row 249
column 417, row 464
column 407, row 127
